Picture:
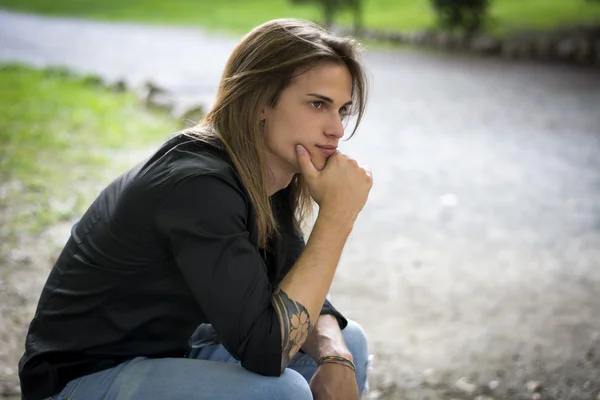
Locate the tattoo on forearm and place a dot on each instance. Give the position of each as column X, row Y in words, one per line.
column 295, row 325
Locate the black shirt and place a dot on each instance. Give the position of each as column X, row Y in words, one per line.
column 169, row 245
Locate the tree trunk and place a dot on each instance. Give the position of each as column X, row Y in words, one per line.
column 329, row 12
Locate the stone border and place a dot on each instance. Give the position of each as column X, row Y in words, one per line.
column 150, row 95
column 576, row 45
column 156, row 98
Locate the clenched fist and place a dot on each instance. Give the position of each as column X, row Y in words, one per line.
column 341, row 188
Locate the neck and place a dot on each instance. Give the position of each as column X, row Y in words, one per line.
column 278, row 177
column 277, row 182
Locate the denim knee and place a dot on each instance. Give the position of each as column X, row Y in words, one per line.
column 290, row 386
column 356, row 341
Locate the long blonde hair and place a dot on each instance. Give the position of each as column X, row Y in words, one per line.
column 260, row 67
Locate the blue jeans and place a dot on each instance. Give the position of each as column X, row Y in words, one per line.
column 208, row 373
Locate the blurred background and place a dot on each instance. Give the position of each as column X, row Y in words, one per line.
column 475, row 266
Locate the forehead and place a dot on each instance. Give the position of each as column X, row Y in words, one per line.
column 329, row 79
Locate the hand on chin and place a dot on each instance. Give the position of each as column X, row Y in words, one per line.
column 318, row 159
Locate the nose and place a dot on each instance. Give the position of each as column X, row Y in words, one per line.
column 335, row 127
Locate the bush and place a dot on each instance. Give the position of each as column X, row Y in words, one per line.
column 464, row 15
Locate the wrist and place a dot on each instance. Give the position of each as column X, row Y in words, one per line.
column 337, row 360
column 344, row 223
column 343, row 354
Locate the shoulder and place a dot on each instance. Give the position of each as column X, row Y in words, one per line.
column 188, row 157
column 181, row 159
column 198, row 175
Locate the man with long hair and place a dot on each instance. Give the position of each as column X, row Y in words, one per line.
column 188, row 277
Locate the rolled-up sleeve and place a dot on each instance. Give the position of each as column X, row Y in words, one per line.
column 295, row 247
column 204, row 221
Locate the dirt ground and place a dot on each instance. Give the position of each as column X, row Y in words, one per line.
column 475, row 267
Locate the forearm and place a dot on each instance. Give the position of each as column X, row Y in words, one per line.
column 326, row 339
column 300, row 295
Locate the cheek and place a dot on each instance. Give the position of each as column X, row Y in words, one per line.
column 282, row 138
column 295, row 128
column 308, row 126
column 290, row 127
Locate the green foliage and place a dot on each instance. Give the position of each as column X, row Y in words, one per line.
column 464, row 15
column 238, row 16
column 223, row 15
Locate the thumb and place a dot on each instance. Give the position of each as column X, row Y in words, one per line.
column 304, row 163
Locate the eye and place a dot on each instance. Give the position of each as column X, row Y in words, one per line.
column 343, row 111
column 317, row 104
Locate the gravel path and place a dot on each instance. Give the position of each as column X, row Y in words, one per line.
column 478, row 254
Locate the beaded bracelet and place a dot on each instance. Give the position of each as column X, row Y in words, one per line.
column 337, row 360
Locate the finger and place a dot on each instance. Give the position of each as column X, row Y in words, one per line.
column 304, row 163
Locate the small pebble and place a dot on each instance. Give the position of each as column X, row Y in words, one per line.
column 448, row 200
column 536, row 396
column 465, row 386
column 484, row 398
column 19, row 256
column 370, row 361
column 533, row 386
column 8, row 390
column 590, row 354
column 493, row 385
column 431, row 377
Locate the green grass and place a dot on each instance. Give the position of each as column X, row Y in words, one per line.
column 511, row 15
column 59, row 133
column 239, row 16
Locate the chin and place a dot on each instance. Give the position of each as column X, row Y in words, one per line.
column 321, row 162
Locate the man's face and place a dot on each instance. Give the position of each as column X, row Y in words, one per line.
column 309, row 112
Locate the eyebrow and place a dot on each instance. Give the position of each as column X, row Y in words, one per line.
column 326, row 99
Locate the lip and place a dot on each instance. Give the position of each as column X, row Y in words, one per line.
column 328, row 150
